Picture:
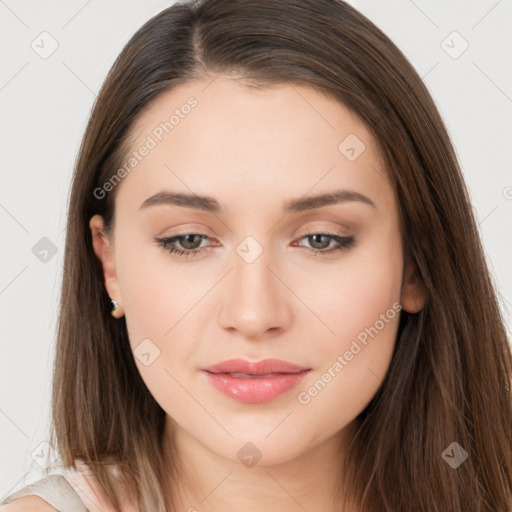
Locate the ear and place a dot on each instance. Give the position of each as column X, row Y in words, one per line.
column 413, row 290
column 103, row 248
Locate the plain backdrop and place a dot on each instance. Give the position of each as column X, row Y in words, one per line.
column 460, row 49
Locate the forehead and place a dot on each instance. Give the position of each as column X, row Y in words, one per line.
column 236, row 105
column 217, row 136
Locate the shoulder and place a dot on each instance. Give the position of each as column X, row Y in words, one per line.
column 28, row 504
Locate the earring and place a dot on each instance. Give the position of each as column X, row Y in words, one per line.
column 115, row 310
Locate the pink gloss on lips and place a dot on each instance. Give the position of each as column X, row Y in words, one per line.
column 255, row 382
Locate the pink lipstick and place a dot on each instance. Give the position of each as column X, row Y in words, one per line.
column 255, row 382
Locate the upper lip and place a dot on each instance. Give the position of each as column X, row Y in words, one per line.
column 255, row 368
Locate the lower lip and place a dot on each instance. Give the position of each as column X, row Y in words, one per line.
column 256, row 390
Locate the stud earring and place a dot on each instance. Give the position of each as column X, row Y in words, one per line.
column 115, row 310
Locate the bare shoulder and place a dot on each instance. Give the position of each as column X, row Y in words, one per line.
column 28, row 504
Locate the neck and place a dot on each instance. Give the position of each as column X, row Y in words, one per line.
column 212, row 483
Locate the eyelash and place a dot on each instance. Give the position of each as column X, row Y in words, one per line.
column 344, row 243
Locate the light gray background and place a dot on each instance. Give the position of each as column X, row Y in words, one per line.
column 45, row 104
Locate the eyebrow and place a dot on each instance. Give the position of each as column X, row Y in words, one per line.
column 210, row 204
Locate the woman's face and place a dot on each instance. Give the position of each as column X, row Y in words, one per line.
column 265, row 270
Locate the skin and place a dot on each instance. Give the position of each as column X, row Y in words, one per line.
column 28, row 503
column 254, row 150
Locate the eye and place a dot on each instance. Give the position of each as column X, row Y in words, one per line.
column 191, row 243
column 320, row 242
column 188, row 241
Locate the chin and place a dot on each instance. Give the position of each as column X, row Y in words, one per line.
column 258, row 450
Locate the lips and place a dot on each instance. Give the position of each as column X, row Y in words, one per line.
column 255, row 382
column 264, row 367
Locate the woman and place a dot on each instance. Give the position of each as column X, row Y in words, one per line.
column 302, row 316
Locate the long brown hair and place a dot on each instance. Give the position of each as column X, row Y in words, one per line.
column 450, row 375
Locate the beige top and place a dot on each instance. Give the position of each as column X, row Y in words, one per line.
column 68, row 490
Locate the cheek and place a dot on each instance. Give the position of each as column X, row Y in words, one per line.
column 358, row 302
column 162, row 302
column 154, row 291
column 351, row 376
column 350, row 293
column 156, row 299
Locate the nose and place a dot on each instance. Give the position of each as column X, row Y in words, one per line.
column 255, row 302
